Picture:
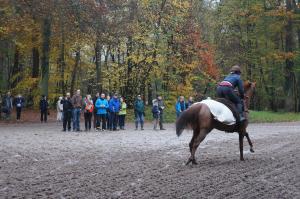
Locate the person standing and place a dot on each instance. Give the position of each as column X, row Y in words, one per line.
column 155, row 112
column 95, row 109
column 7, row 105
column 139, row 112
column 67, row 112
column 101, row 106
column 190, row 102
column 59, row 109
column 180, row 106
column 122, row 113
column 44, row 108
column 19, row 103
column 161, row 107
column 77, row 105
column 88, row 112
column 114, row 107
column 108, row 118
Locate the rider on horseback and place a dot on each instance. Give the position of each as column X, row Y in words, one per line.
column 226, row 89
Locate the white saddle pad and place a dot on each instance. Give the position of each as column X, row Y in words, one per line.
column 220, row 112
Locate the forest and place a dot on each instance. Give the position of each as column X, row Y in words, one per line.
column 150, row 47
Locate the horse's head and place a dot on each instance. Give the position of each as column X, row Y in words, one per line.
column 249, row 88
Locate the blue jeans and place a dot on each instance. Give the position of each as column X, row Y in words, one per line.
column 76, row 119
column 139, row 117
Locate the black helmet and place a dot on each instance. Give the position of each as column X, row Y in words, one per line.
column 235, row 69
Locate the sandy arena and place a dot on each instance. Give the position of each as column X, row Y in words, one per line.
column 40, row 161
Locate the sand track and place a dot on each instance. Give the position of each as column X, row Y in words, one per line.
column 39, row 161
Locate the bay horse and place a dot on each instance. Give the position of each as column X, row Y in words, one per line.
column 199, row 118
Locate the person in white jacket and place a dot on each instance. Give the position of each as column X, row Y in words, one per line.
column 59, row 108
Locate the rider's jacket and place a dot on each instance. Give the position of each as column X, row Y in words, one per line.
column 235, row 80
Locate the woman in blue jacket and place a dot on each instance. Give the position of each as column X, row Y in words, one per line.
column 180, row 106
column 114, row 108
column 101, row 111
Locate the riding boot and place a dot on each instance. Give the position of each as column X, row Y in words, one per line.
column 241, row 112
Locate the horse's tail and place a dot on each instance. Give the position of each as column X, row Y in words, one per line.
column 188, row 119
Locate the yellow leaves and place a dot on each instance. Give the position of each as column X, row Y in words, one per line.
column 279, row 56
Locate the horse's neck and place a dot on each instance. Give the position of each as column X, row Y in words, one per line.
column 248, row 95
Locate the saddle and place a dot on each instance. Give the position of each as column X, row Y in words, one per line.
column 220, row 111
column 231, row 106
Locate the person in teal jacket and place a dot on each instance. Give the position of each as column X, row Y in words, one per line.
column 139, row 112
column 101, row 106
column 180, row 106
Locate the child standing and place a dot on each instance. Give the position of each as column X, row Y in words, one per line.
column 122, row 114
column 155, row 112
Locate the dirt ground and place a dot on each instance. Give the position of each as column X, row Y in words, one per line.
column 40, row 161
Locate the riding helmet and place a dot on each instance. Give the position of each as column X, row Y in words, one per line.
column 235, row 69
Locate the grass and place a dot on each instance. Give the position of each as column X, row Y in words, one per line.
column 255, row 116
column 266, row 116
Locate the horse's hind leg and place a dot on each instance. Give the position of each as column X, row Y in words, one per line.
column 195, row 134
column 250, row 143
column 241, row 140
column 200, row 135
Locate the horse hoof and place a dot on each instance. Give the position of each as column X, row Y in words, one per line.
column 188, row 162
column 242, row 159
column 251, row 150
column 194, row 162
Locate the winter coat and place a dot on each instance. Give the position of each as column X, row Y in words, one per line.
column 179, row 106
column 67, row 104
column 114, row 105
column 235, row 80
column 77, row 101
column 188, row 104
column 161, row 106
column 44, row 105
column 139, row 106
column 59, row 106
column 8, row 103
column 88, row 106
column 19, row 102
column 94, row 102
column 101, row 106
column 155, row 111
column 123, row 109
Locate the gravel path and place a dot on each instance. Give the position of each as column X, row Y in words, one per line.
column 39, row 161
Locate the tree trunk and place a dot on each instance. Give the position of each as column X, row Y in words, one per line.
column 289, row 48
column 129, row 88
column 98, row 65
column 14, row 80
column 75, row 69
column 35, row 62
column 45, row 54
column 61, row 59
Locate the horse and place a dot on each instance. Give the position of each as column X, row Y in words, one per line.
column 199, row 118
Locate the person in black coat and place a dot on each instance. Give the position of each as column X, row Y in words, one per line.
column 44, row 108
column 19, row 103
column 67, row 112
column 97, row 96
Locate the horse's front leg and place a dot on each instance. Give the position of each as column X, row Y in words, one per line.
column 250, row 143
column 241, row 140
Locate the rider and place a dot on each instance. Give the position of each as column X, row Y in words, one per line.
column 226, row 89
